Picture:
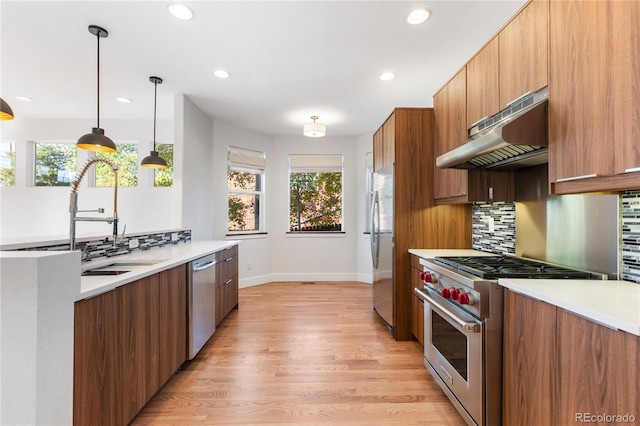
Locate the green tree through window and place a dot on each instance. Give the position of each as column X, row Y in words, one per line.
column 315, row 201
column 55, row 164
column 126, row 157
column 164, row 177
column 7, row 164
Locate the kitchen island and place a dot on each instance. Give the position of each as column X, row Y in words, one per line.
column 40, row 290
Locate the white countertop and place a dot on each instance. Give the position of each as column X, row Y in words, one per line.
column 615, row 304
column 431, row 253
column 162, row 258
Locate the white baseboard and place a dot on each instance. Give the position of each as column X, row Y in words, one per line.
column 315, row 276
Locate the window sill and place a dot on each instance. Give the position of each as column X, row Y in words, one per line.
column 316, row 234
column 246, row 236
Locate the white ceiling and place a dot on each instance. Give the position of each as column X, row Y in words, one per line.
column 288, row 59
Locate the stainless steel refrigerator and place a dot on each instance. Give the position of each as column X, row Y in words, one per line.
column 382, row 246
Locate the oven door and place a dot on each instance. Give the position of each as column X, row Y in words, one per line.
column 453, row 352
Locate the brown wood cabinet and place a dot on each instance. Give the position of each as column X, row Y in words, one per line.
column 594, row 116
column 524, row 46
column 128, row 343
column 226, row 282
column 383, row 141
column 418, row 223
column 462, row 186
column 558, row 366
column 417, row 306
column 483, row 83
column 529, row 358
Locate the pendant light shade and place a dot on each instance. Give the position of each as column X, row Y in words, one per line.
column 153, row 160
column 96, row 140
column 314, row 130
column 6, row 113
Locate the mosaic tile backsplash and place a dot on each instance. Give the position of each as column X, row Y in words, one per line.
column 502, row 217
column 631, row 236
column 104, row 247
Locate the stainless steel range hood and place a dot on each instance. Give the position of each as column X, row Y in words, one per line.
column 512, row 139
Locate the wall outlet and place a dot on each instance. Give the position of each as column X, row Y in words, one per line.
column 134, row 243
column 249, row 266
column 491, row 224
column 174, row 236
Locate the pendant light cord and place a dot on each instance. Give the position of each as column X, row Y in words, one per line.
column 98, row 85
column 155, row 102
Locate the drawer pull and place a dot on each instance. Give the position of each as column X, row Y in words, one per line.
column 633, row 169
column 229, row 259
column 228, row 281
column 567, row 179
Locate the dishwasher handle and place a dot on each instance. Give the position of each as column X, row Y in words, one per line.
column 202, row 266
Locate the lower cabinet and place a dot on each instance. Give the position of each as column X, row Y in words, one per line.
column 226, row 282
column 128, row 343
column 560, row 368
column 417, row 307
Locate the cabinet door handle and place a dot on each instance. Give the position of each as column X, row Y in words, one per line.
column 228, row 281
column 229, row 259
column 517, row 99
column 592, row 175
column 631, row 170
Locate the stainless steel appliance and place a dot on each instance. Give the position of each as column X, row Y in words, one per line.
column 463, row 306
column 382, row 246
column 202, row 302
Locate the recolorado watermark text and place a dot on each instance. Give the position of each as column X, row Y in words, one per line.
column 605, row 418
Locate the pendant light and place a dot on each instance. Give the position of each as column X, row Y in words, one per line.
column 96, row 140
column 153, row 160
column 6, row 113
column 314, row 130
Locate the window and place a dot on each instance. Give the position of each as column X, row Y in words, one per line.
column 55, row 164
column 7, row 164
column 245, row 186
column 315, row 193
column 164, row 177
column 126, row 157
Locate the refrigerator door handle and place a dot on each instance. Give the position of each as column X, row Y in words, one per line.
column 375, row 230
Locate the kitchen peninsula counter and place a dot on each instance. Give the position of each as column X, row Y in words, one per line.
column 614, row 304
column 158, row 259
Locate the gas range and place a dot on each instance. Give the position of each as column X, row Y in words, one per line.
column 463, row 326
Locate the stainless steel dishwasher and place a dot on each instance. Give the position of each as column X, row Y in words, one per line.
column 202, row 302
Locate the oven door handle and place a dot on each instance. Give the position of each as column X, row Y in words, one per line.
column 463, row 325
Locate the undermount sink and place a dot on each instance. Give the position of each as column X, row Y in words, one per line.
column 116, row 268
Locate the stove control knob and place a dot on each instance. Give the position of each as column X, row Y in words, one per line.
column 446, row 293
column 430, row 278
column 422, row 275
column 466, row 299
column 455, row 293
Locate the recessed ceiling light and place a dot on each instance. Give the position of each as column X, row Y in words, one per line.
column 386, row 76
column 418, row 16
column 180, row 11
column 24, row 98
column 123, row 100
column 221, row 74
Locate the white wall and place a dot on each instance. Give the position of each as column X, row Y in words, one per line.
column 194, row 177
column 365, row 267
column 28, row 211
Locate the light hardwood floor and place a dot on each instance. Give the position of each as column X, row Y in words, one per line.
column 299, row 353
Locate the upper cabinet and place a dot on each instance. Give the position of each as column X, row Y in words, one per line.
column 594, row 84
column 384, row 144
column 453, row 186
column 524, row 46
column 483, row 84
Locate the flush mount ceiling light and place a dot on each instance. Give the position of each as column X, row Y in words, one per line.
column 153, row 160
column 221, row 74
column 418, row 16
column 6, row 113
column 314, row 130
column 96, row 140
column 180, row 11
column 386, row 76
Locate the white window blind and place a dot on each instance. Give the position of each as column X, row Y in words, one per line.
column 312, row 163
column 246, row 158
